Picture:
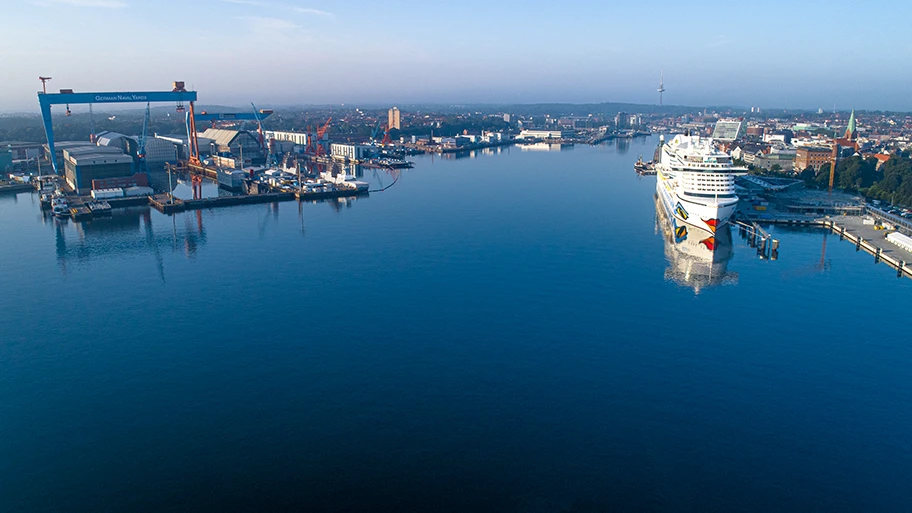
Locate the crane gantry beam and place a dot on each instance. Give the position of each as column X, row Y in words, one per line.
column 67, row 96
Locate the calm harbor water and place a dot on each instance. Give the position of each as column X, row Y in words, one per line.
column 509, row 332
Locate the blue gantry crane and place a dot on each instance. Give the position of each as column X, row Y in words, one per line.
column 66, row 97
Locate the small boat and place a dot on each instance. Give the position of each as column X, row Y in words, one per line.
column 59, row 205
column 46, row 185
column 643, row 168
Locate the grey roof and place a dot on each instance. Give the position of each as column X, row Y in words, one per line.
column 89, row 150
column 63, row 145
column 108, row 138
column 202, row 141
column 109, row 157
column 223, row 137
column 220, row 136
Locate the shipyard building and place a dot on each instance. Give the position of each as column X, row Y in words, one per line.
column 85, row 164
column 235, row 143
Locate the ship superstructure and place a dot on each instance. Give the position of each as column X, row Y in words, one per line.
column 696, row 181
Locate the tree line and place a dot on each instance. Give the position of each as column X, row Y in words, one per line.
column 892, row 182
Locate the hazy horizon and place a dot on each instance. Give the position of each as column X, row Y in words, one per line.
column 234, row 52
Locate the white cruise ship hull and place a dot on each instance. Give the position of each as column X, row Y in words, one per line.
column 709, row 215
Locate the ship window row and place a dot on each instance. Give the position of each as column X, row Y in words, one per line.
column 701, row 195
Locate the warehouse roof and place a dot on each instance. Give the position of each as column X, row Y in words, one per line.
column 221, row 136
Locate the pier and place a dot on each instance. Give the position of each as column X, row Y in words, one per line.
column 877, row 246
column 16, row 187
column 850, row 228
column 167, row 204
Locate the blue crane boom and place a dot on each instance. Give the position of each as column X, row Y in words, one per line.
column 141, row 153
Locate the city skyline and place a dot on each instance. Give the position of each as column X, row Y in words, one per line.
column 303, row 53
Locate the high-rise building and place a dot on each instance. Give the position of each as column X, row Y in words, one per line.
column 394, row 118
column 621, row 120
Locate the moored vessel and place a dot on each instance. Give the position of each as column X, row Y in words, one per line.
column 59, row 205
column 696, row 181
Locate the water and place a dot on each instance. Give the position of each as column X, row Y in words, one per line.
column 507, row 333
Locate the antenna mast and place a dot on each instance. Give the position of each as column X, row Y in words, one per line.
column 661, row 86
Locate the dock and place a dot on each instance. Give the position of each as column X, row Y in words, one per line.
column 877, row 246
column 849, row 228
column 166, row 204
column 16, row 187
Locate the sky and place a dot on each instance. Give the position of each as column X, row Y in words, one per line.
column 771, row 54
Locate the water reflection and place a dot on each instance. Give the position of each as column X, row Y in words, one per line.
column 126, row 232
column 696, row 258
column 545, row 146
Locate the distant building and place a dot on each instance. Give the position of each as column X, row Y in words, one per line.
column 811, row 157
column 298, row 138
column 850, row 132
column 622, row 120
column 545, row 134
column 785, row 161
column 350, row 151
column 6, row 159
column 506, row 118
column 850, row 139
column 22, row 150
column 727, row 130
column 394, row 118
column 783, row 136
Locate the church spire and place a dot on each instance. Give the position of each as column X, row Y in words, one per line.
column 850, row 131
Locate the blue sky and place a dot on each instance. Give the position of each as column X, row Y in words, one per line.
column 770, row 54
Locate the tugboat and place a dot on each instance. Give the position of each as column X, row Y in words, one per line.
column 643, row 168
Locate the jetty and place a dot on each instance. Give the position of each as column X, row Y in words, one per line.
column 167, row 204
column 866, row 237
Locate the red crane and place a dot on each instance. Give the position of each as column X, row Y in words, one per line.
column 320, row 133
column 386, row 137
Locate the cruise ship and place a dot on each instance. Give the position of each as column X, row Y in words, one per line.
column 696, row 181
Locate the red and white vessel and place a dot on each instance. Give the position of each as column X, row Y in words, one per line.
column 696, row 182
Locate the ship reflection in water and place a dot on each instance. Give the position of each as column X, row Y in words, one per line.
column 696, row 258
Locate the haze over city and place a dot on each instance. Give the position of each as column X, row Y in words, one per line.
column 766, row 54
